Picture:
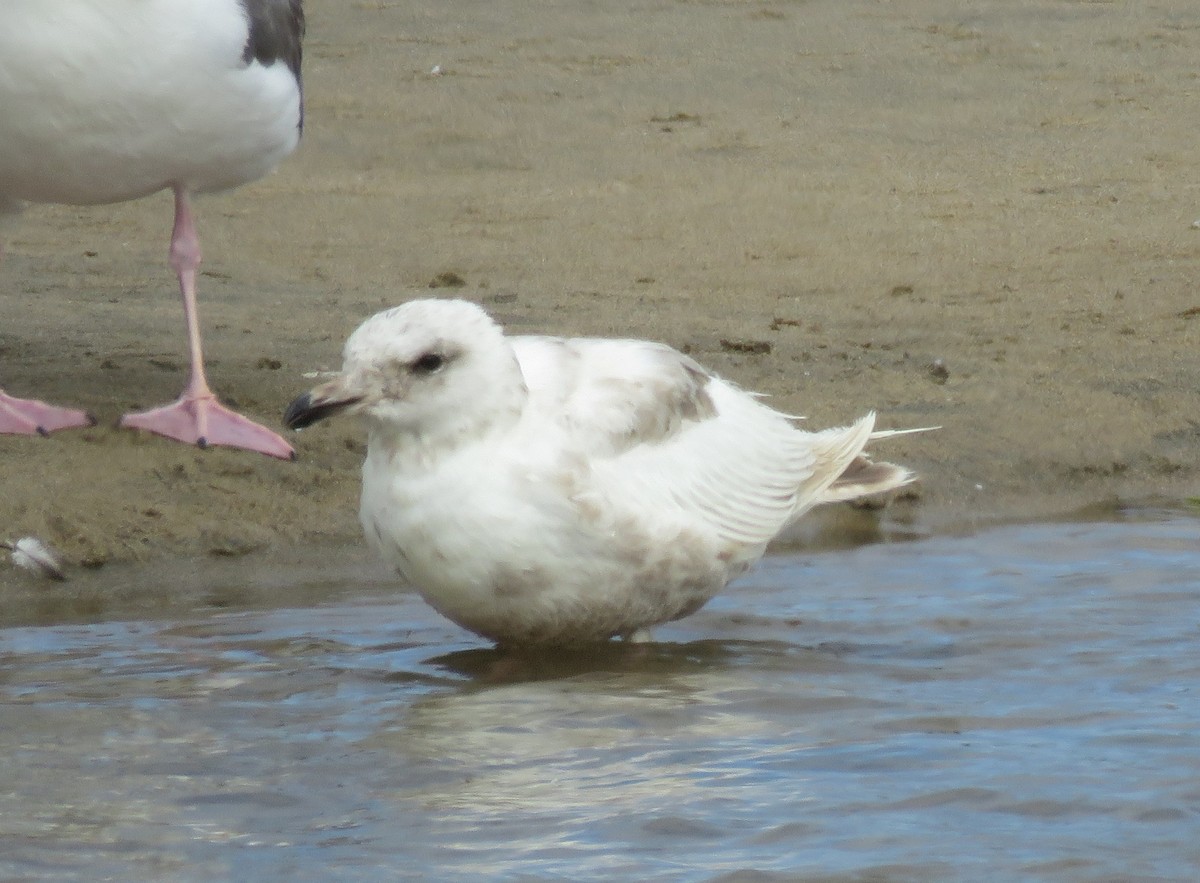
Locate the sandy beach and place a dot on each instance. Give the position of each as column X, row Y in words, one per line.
column 980, row 215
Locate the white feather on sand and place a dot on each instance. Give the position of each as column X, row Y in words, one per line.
column 30, row 553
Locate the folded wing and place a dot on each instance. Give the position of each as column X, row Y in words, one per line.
column 662, row 435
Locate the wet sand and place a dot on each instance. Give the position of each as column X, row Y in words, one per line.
column 819, row 200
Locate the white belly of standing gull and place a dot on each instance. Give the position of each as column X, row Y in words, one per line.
column 544, row 490
column 104, row 101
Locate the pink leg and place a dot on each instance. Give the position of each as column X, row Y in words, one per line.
column 197, row 417
column 31, row 417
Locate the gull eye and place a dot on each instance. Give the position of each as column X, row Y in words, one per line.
column 430, row 363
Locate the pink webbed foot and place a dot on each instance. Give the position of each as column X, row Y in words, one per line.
column 31, row 417
column 204, row 421
column 197, row 418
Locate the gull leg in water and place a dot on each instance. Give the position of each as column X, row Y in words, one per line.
column 196, row 417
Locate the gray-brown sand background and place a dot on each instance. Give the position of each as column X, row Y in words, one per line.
column 857, row 187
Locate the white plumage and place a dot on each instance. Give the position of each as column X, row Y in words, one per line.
column 103, row 101
column 549, row 490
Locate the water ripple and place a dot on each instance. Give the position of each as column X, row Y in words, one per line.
column 1014, row 705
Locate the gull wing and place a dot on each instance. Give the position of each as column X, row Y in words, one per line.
column 613, row 395
column 662, row 436
column 746, row 472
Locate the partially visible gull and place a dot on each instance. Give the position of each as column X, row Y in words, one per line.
column 542, row 490
column 103, row 101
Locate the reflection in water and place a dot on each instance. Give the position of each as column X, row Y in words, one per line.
column 1012, row 705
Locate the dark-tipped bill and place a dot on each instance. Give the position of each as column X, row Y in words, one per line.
column 306, row 410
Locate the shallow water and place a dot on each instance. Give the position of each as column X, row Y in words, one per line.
column 1020, row 704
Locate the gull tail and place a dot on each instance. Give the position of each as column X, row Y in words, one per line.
column 862, row 477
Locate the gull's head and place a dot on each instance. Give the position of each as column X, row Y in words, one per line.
column 433, row 369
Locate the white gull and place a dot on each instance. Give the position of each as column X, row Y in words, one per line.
column 551, row 490
column 103, row 101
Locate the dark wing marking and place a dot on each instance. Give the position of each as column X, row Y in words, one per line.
column 276, row 34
